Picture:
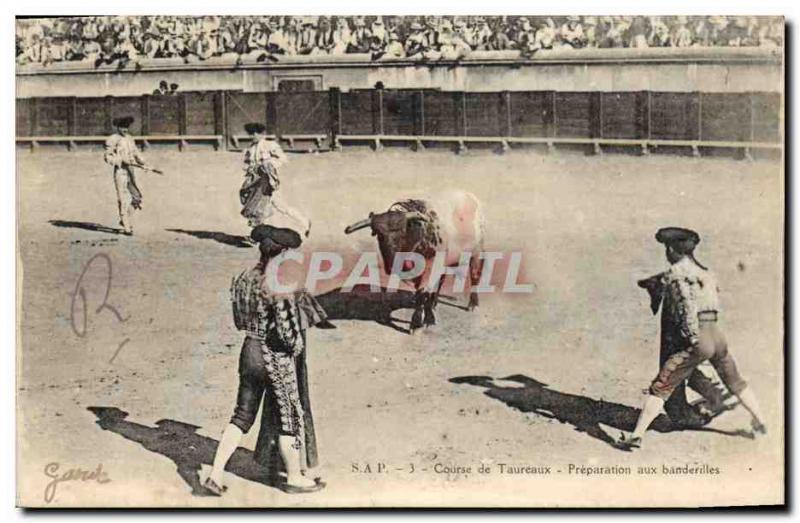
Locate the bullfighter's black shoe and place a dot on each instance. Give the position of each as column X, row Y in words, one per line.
column 628, row 443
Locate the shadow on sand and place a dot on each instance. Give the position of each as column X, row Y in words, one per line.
column 88, row 226
column 219, row 237
column 583, row 413
column 363, row 304
column 179, row 442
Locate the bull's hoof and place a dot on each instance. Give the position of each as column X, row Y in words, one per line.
column 473, row 302
column 429, row 321
column 416, row 321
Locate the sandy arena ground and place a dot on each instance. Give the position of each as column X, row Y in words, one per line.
column 577, row 352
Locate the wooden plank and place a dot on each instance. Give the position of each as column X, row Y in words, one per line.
column 562, row 140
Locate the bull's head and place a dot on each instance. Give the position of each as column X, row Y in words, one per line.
column 397, row 231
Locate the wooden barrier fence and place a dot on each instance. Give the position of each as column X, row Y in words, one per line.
column 331, row 119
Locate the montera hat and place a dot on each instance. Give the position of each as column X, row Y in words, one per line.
column 255, row 127
column 123, row 121
column 680, row 239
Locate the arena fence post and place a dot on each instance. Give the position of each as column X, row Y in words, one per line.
column 335, row 117
column 182, row 119
column 72, row 114
column 460, row 113
column 377, row 117
column 751, row 113
column 229, row 134
column 596, row 120
column 220, row 126
column 505, row 116
column 551, row 118
column 643, row 108
column 418, row 108
column 144, row 112
column 697, row 120
column 109, row 106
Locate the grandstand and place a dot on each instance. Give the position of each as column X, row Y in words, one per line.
column 123, row 40
column 553, row 81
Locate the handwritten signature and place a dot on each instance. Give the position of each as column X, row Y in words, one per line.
column 79, row 301
column 51, row 470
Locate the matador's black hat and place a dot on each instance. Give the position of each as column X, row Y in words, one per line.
column 255, row 127
column 123, row 121
column 279, row 235
column 682, row 240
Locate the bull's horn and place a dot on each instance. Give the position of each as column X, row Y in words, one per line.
column 416, row 215
column 366, row 222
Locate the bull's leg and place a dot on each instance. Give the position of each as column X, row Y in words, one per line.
column 419, row 304
column 430, row 318
column 421, row 300
column 385, row 309
column 430, row 303
column 475, row 271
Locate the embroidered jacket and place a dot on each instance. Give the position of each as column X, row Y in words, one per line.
column 690, row 290
column 120, row 150
column 274, row 319
column 264, row 152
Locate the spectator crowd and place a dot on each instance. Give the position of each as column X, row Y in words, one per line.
column 123, row 40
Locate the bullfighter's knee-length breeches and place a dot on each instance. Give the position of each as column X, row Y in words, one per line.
column 124, row 196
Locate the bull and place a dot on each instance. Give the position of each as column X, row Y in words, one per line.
column 451, row 223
